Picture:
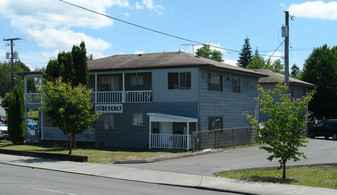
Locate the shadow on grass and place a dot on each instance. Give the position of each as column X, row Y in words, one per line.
column 270, row 179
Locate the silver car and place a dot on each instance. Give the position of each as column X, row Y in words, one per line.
column 3, row 131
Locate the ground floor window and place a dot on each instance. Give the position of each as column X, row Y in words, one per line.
column 215, row 122
column 109, row 121
column 137, row 119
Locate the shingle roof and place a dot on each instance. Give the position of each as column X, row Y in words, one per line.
column 159, row 60
column 274, row 77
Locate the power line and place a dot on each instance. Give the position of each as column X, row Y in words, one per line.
column 275, row 51
column 145, row 28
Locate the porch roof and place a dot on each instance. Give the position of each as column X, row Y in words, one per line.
column 161, row 117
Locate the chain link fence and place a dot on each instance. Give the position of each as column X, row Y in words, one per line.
column 222, row 138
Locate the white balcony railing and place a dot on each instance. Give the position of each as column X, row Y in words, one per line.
column 109, row 96
column 106, row 97
column 138, row 96
column 171, row 141
column 33, row 98
column 117, row 97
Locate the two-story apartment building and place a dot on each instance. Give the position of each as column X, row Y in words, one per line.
column 156, row 100
column 297, row 88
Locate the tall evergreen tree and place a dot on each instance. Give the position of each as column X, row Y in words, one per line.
column 52, row 71
column 16, row 116
column 295, row 71
column 245, row 56
column 321, row 69
column 256, row 53
column 65, row 61
column 79, row 54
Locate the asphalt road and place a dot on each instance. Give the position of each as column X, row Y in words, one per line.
column 23, row 180
column 317, row 151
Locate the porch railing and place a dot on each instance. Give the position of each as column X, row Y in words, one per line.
column 171, row 141
column 33, row 98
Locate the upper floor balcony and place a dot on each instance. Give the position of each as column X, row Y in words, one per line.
column 112, row 88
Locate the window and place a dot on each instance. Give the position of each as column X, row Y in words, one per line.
column 236, row 84
column 137, row 80
column 215, row 122
column 214, row 82
column 137, row 119
column 250, row 83
column 109, row 121
column 179, row 80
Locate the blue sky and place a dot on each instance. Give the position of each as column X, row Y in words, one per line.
column 50, row 26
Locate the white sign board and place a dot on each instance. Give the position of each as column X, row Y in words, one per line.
column 109, row 108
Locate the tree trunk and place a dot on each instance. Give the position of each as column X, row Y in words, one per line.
column 284, row 170
column 70, row 144
column 74, row 140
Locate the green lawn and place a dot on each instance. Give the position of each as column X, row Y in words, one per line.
column 316, row 176
column 96, row 155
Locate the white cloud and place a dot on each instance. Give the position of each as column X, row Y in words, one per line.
column 138, row 6
column 64, row 39
column 230, row 62
column 24, row 14
column 217, row 47
column 315, row 9
column 126, row 14
column 273, row 57
column 139, row 52
column 30, row 67
column 150, row 6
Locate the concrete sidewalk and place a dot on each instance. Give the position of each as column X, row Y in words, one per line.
column 161, row 177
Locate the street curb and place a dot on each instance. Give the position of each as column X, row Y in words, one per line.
column 275, row 167
column 150, row 160
column 54, row 156
column 133, row 180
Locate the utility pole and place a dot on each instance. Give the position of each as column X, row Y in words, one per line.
column 12, row 57
column 285, row 33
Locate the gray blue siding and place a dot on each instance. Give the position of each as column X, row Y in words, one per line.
column 128, row 136
column 226, row 103
column 161, row 93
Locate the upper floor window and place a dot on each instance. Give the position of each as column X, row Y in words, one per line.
column 236, row 84
column 214, row 82
column 137, row 80
column 179, row 80
column 250, row 83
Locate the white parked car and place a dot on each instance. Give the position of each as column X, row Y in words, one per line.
column 3, row 131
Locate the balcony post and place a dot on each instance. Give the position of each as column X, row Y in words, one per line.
column 123, row 88
column 42, row 123
column 95, row 88
column 150, row 124
column 188, row 136
column 25, row 89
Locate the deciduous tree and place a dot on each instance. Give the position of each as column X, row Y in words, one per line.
column 207, row 52
column 282, row 134
column 321, row 69
column 68, row 107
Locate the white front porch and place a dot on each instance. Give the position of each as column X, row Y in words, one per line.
column 163, row 135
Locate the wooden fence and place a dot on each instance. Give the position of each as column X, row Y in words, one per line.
column 222, row 138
